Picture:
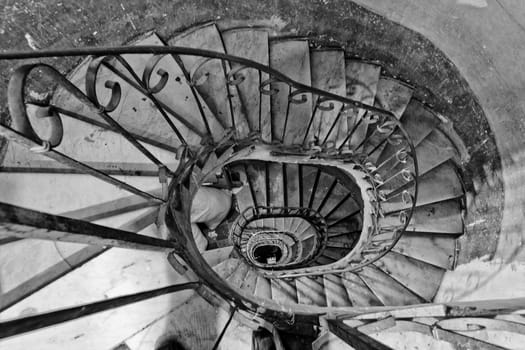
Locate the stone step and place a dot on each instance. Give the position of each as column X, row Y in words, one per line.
column 441, row 218
column 328, row 74
column 393, row 95
column 291, row 57
column 336, row 294
column 358, row 292
column 420, row 277
column 310, row 291
column 418, row 122
column 439, row 184
column 210, row 76
column 438, row 250
column 387, row 289
column 361, row 85
column 283, row 292
column 263, row 288
column 252, row 44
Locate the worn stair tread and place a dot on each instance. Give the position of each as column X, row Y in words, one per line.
column 287, row 223
column 293, row 185
column 341, row 241
column 350, row 221
column 290, row 120
column 336, row 294
column 178, row 94
column 442, row 183
column 464, row 341
column 157, row 129
column 306, row 234
column 420, row 277
column 263, row 288
column 323, row 191
column 460, row 325
column 237, row 277
column 347, row 212
column 322, row 260
column 310, row 179
column 294, row 224
column 124, row 159
column 418, row 122
column 336, row 205
column 361, row 85
column 275, row 180
column 299, row 226
column 393, row 95
column 210, row 76
column 335, row 252
column 251, row 43
column 249, row 282
column 358, row 292
column 302, row 228
column 84, row 141
column 226, row 267
column 328, row 74
column 175, row 95
column 310, row 291
column 256, row 174
column 433, row 249
column 280, row 223
column 215, row 256
column 283, row 292
column 387, row 289
column 441, row 217
column 308, row 245
column 434, row 150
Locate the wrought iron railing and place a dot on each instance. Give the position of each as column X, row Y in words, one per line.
column 393, row 177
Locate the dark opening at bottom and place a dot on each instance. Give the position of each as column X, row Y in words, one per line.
column 267, row 254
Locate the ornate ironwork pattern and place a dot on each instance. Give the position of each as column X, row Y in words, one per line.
column 384, row 180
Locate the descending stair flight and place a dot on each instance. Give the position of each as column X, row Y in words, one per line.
column 336, row 204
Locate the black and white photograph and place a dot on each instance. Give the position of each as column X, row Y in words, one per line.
column 262, row 175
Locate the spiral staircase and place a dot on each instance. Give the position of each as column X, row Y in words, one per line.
column 347, row 193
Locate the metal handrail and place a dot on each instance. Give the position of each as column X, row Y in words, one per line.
column 388, row 130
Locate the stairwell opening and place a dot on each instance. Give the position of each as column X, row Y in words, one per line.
column 268, row 254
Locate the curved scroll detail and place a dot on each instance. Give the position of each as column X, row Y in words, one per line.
column 148, row 71
column 234, row 78
column 320, row 102
column 270, row 91
column 301, row 100
column 91, row 85
column 18, row 109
